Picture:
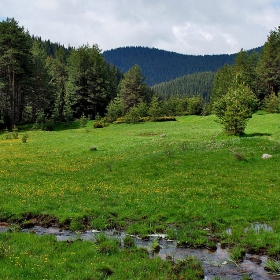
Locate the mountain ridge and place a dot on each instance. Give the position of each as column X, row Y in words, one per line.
column 162, row 66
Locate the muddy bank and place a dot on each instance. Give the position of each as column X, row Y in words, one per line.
column 215, row 263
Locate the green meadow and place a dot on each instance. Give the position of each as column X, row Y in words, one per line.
column 185, row 178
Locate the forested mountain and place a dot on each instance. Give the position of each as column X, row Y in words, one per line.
column 192, row 84
column 44, row 83
column 162, row 66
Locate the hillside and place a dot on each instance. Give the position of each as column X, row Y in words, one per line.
column 192, row 84
column 161, row 66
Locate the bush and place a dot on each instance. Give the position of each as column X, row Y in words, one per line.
column 100, row 124
column 235, row 108
column 83, row 121
column 272, row 103
column 165, row 119
column 120, row 120
column 15, row 132
column 24, row 138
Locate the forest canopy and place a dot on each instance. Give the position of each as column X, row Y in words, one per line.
column 44, row 83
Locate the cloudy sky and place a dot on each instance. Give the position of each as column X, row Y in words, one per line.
column 184, row 26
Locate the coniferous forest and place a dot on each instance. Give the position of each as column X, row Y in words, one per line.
column 44, row 83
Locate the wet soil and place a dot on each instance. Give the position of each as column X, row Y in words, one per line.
column 215, row 263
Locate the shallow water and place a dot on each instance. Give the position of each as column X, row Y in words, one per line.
column 215, row 263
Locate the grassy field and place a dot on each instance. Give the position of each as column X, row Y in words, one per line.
column 184, row 178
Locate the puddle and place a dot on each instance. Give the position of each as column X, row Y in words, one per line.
column 215, row 263
column 259, row 227
column 256, row 227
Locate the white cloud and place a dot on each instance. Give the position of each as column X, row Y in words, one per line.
column 184, row 26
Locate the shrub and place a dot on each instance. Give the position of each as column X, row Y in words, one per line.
column 8, row 135
column 235, row 108
column 100, row 124
column 164, row 119
column 83, row 121
column 24, row 138
column 15, row 132
column 195, row 105
column 132, row 116
column 272, row 103
column 120, row 120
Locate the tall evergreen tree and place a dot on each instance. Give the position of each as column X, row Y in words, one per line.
column 133, row 89
column 15, row 71
column 58, row 81
column 89, row 87
column 269, row 69
column 40, row 99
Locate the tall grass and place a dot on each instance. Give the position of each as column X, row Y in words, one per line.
column 189, row 182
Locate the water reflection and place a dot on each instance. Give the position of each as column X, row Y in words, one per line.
column 216, row 264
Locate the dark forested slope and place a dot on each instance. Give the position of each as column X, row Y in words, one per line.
column 192, row 84
column 161, row 66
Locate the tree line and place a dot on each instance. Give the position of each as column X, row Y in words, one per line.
column 45, row 83
column 40, row 87
column 200, row 83
column 160, row 66
column 251, row 83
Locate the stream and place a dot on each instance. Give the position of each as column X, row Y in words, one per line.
column 215, row 263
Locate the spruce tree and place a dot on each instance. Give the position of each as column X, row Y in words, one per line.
column 15, row 71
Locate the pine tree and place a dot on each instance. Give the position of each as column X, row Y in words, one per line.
column 269, row 69
column 133, row 89
column 15, row 71
column 89, row 87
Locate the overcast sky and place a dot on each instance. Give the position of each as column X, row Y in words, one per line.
column 183, row 26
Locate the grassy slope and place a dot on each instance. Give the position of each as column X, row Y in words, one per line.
column 181, row 184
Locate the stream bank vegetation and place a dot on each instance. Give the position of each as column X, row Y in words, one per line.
column 188, row 184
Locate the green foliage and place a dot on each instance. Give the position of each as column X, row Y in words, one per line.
column 129, row 242
column 133, row 89
column 159, row 66
column 268, row 69
column 83, row 120
column 107, row 245
column 15, row 132
column 89, row 86
column 155, row 110
column 43, row 123
column 165, row 119
column 100, row 123
column 131, row 183
column 273, row 266
column 189, row 268
column 195, row 105
column 76, row 224
column 15, row 71
column 236, row 254
column 235, row 108
column 24, row 138
column 28, row 256
column 115, row 109
column 272, row 103
column 7, row 134
column 199, row 84
column 155, row 246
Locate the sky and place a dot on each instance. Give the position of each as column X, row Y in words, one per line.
column 195, row 27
